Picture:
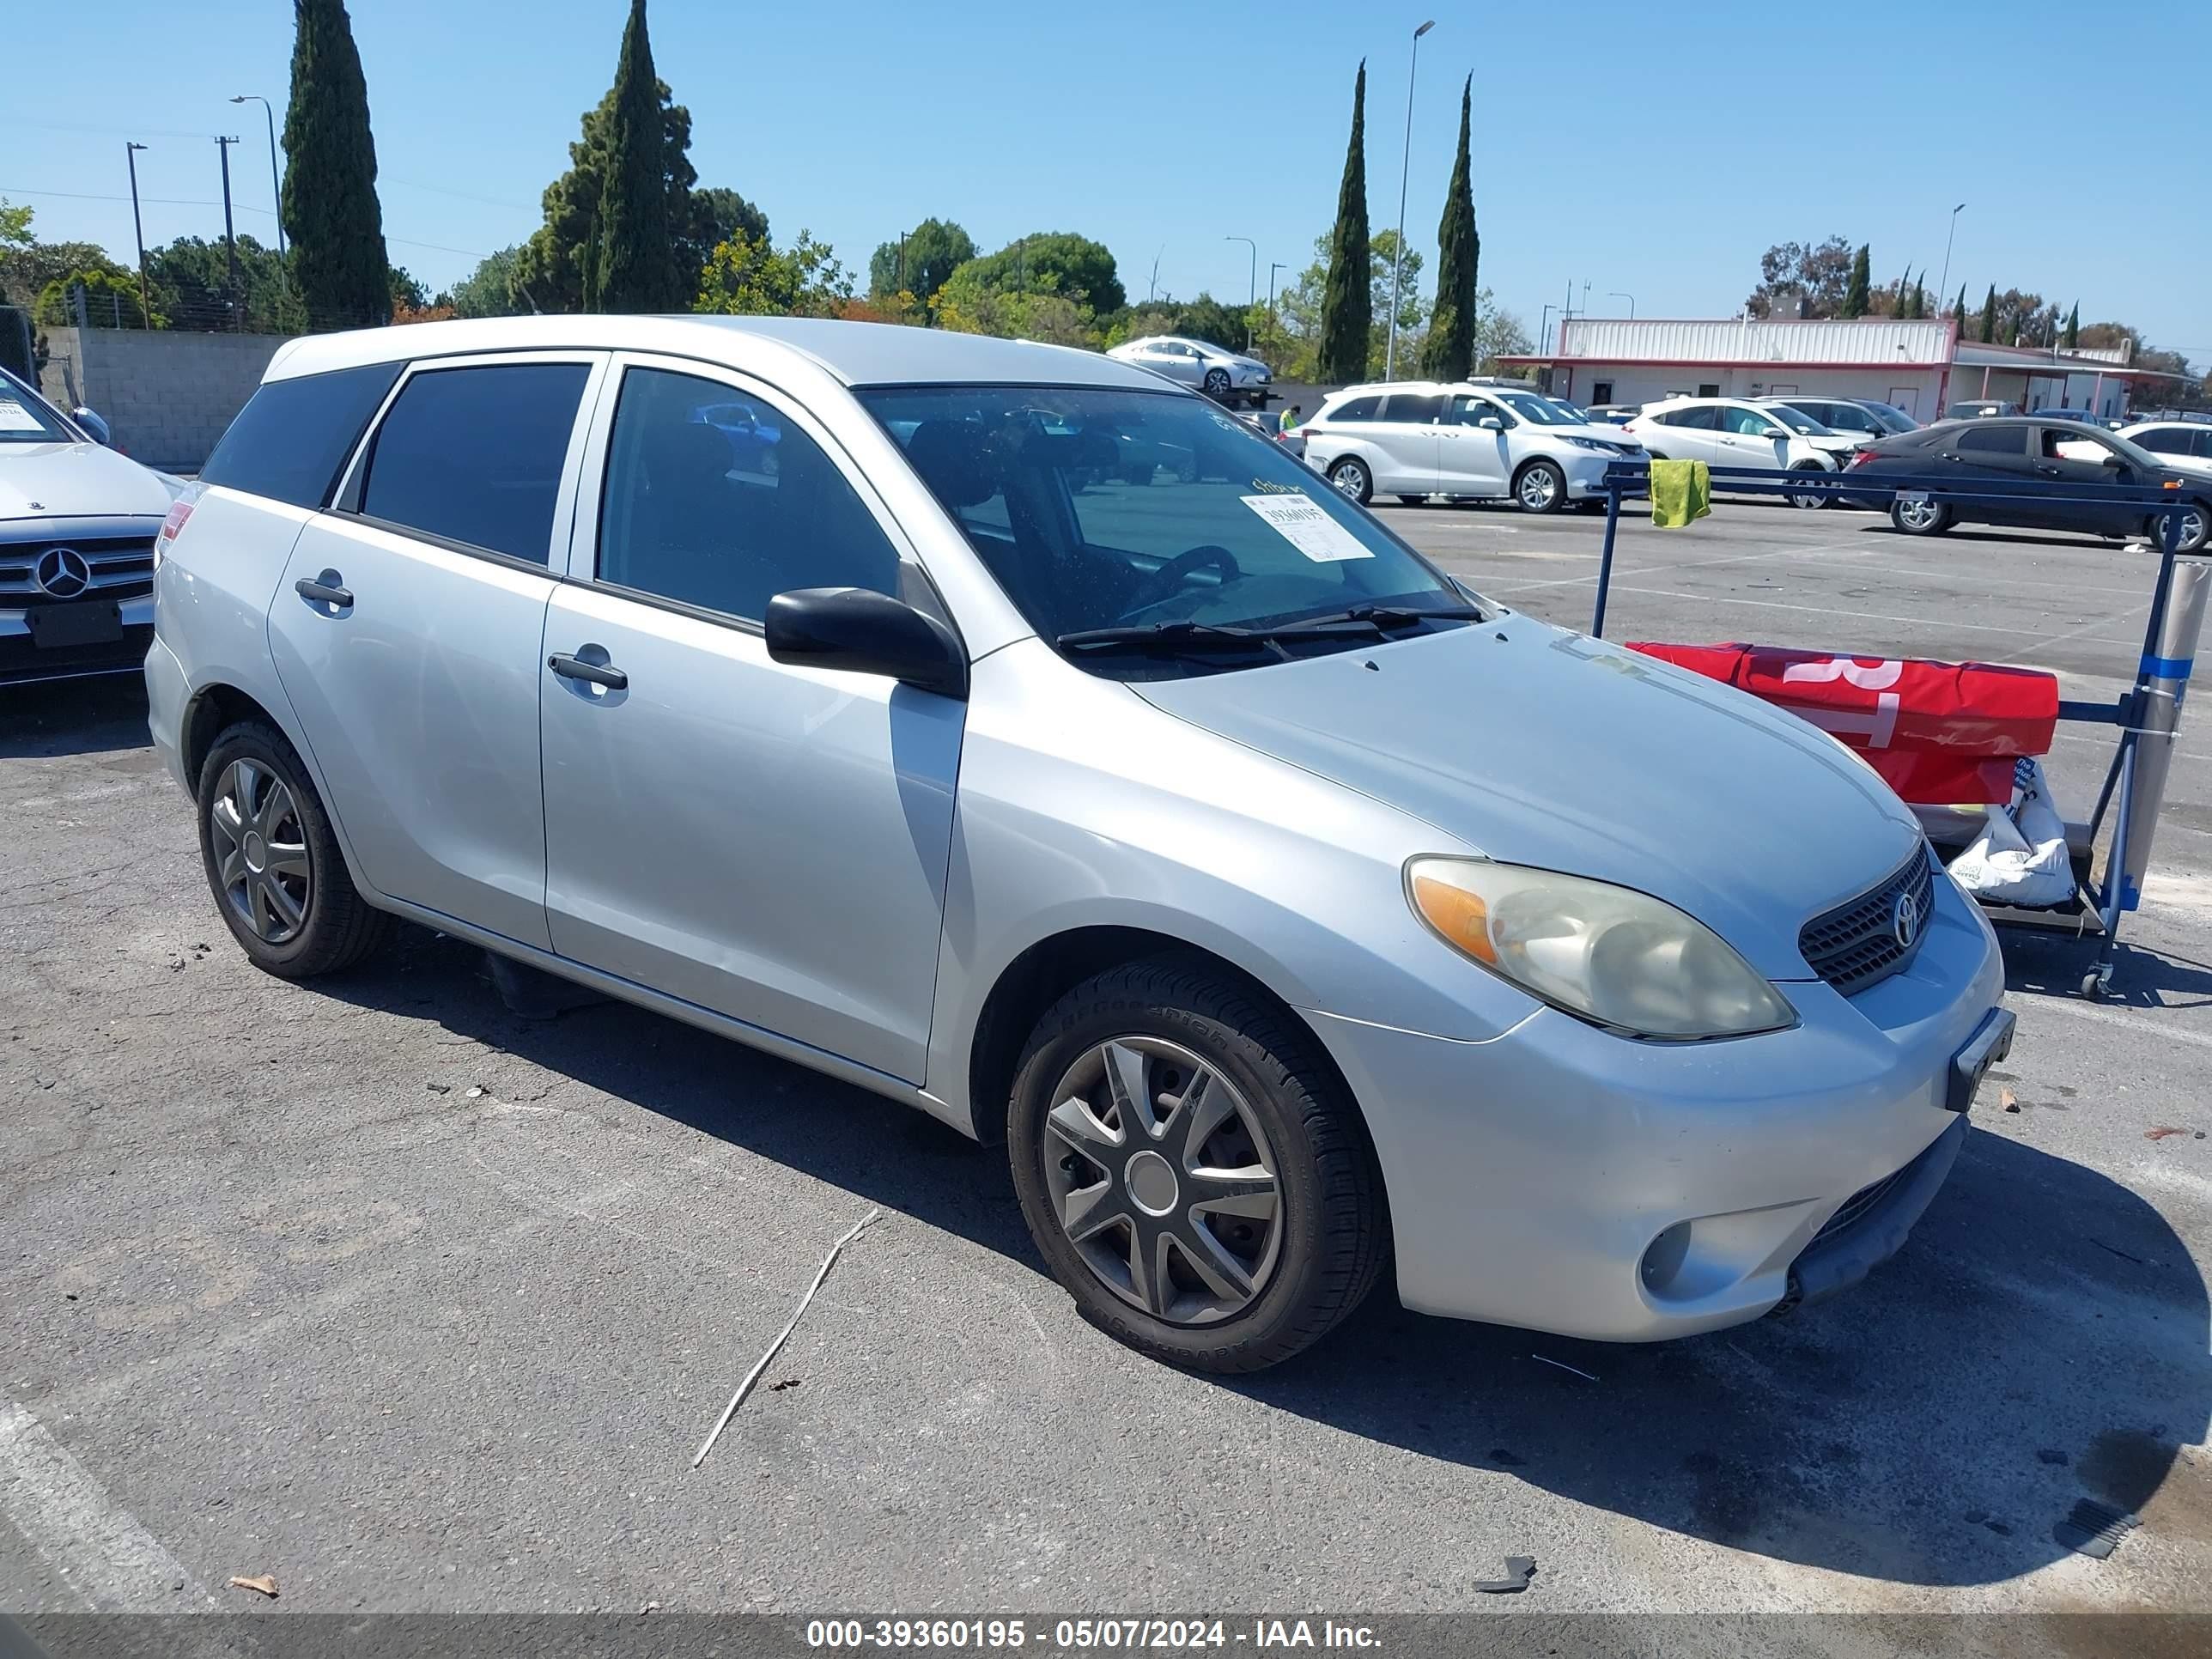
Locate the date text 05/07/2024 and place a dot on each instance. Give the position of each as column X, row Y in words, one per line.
column 1088, row 1635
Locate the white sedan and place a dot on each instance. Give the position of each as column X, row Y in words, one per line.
column 2184, row 446
column 1223, row 375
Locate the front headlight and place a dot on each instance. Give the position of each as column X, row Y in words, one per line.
column 1598, row 445
column 1609, row 954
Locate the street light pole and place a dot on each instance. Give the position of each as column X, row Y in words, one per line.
column 1405, row 164
column 276, row 186
column 1544, row 332
column 1630, row 298
column 1251, row 287
column 1943, row 288
column 138, row 231
column 1273, row 265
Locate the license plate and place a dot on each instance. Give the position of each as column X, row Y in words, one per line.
column 1914, row 497
column 1990, row 1044
column 55, row 626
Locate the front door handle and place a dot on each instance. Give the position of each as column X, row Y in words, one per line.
column 2048, row 471
column 576, row 668
column 324, row 589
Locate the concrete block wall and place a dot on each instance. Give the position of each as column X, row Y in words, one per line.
column 167, row 395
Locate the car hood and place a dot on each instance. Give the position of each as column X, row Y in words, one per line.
column 70, row 480
column 1541, row 747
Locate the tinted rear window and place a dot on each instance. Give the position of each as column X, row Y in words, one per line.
column 1995, row 439
column 292, row 437
column 1360, row 409
column 475, row 455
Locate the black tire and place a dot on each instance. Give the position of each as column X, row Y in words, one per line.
column 1524, row 487
column 1334, row 1229
column 1809, row 503
column 1137, row 475
column 1351, row 476
column 1413, row 501
column 1933, row 523
column 337, row 928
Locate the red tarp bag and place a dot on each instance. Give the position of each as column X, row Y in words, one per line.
column 1939, row 733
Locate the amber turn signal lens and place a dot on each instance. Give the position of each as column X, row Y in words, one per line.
column 1459, row 915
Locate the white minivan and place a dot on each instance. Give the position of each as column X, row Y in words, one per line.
column 1467, row 441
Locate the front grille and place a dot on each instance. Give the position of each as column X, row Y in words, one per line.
column 122, row 568
column 1855, row 944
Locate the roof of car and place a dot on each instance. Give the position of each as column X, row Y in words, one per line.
column 855, row 354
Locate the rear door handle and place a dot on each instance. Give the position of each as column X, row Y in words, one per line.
column 322, row 591
column 576, row 668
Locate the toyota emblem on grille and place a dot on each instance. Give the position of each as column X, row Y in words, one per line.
column 63, row 573
column 1905, row 921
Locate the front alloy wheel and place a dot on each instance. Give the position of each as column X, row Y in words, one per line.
column 1217, row 383
column 1162, row 1181
column 1540, row 488
column 1350, row 475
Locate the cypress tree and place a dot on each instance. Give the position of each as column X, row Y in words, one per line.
column 635, row 269
column 1449, row 352
column 1919, row 299
column 329, row 205
column 1989, row 317
column 1857, row 299
column 1958, row 312
column 2074, row 327
column 1347, row 305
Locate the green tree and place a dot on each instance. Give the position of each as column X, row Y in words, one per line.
column 1060, row 261
column 2072, row 328
column 1919, row 301
column 1449, row 352
column 1958, row 312
column 407, row 290
column 190, row 280
column 1498, row 334
column 489, row 290
column 15, row 225
column 1793, row 275
column 970, row 303
column 110, row 300
column 329, row 205
column 1856, row 298
column 745, row 278
column 635, row 269
column 1347, row 297
column 702, row 220
column 935, row 249
column 1990, row 316
column 1207, row 319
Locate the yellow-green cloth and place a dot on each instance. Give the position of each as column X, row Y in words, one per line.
column 1680, row 491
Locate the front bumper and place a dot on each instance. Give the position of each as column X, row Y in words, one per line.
column 24, row 661
column 1586, row 475
column 1560, row 1178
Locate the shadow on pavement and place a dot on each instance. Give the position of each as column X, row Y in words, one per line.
column 2052, row 964
column 73, row 717
column 2042, row 1338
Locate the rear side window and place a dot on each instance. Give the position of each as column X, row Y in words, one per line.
column 2169, row 440
column 1995, row 439
column 475, row 455
column 292, row 437
column 1704, row 418
column 1414, row 408
column 1360, row 409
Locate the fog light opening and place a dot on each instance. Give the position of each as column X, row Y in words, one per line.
column 1664, row 1259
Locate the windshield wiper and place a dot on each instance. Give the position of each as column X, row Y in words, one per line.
column 1178, row 634
column 1387, row 616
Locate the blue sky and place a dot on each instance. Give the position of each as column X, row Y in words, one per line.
column 1653, row 148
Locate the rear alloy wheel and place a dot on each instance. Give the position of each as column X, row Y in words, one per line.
column 1810, row 501
column 273, row 860
column 1920, row 518
column 1217, row 383
column 1540, row 487
column 1189, row 1166
column 1350, row 475
column 2193, row 528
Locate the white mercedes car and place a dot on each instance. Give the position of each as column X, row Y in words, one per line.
column 77, row 523
column 1222, row 374
column 1471, row 440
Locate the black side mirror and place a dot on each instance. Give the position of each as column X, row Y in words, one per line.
column 864, row 632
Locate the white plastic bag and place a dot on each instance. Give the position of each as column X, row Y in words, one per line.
column 2020, row 857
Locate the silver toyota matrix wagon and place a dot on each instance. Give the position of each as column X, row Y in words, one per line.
column 1001, row 728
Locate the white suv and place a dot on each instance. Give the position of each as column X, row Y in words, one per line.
column 1736, row 432
column 1468, row 441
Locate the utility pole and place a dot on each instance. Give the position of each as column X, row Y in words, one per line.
column 1405, row 163
column 901, row 270
column 1943, row 288
column 138, row 231
column 1273, row 265
column 1544, row 332
column 229, row 235
column 1251, row 287
column 1630, row 298
column 1152, row 289
column 276, row 188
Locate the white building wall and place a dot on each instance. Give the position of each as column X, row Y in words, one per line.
column 1915, row 388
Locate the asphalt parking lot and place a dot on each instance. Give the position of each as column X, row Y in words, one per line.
column 375, row 1287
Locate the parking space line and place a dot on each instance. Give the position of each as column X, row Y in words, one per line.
column 1655, row 570
column 2126, row 1022
column 1859, row 616
column 112, row 1563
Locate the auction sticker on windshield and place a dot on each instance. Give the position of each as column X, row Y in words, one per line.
column 14, row 417
column 1300, row 520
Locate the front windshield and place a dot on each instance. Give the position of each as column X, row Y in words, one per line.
column 1542, row 411
column 1579, row 416
column 25, row 418
column 1891, row 418
column 1099, row 509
